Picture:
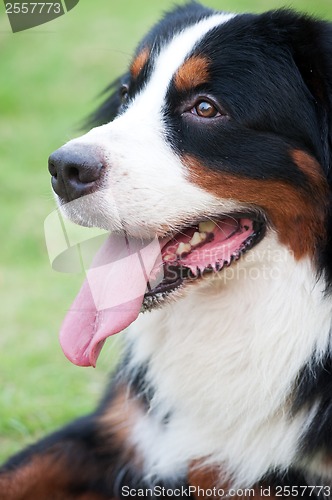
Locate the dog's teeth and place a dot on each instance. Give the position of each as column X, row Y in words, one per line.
column 197, row 238
column 168, row 257
column 206, row 226
column 183, row 248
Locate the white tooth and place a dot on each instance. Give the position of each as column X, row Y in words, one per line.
column 197, row 238
column 168, row 257
column 206, row 226
column 194, row 271
column 183, row 248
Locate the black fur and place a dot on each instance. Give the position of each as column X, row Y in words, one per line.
column 265, row 116
column 92, row 457
column 314, row 387
column 111, row 106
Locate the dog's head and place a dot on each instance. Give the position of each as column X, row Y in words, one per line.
column 216, row 140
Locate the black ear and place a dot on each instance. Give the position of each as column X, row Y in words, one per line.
column 110, row 107
column 310, row 44
column 313, row 55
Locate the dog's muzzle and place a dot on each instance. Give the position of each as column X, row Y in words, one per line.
column 76, row 170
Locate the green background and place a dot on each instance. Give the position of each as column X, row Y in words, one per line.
column 49, row 79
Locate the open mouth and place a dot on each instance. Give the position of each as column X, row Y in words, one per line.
column 120, row 283
column 203, row 248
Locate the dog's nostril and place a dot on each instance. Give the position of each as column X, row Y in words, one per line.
column 73, row 174
column 86, row 173
column 52, row 169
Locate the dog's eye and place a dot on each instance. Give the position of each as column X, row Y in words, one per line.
column 124, row 92
column 205, row 109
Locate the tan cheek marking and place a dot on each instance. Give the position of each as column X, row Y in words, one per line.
column 298, row 218
column 192, row 73
column 117, row 423
column 139, row 62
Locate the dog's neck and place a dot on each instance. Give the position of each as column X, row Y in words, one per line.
column 222, row 363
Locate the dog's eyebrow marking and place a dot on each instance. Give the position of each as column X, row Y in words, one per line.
column 171, row 57
column 193, row 72
column 299, row 217
column 139, row 62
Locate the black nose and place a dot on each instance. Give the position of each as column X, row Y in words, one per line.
column 75, row 170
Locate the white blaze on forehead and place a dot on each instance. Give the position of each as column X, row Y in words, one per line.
column 172, row 56
column 145, row 188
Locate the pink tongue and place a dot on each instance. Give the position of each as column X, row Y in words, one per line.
column 111, row 297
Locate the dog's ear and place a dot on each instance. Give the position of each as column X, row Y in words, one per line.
column 110, row 107
column 313, row 56
column 309, row 42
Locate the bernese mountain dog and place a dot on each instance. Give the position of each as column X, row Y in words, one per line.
column 210, row 165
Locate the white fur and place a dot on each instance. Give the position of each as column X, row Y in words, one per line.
column 224, row 359
column 141, row 164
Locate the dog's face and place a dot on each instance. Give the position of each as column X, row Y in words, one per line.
column 216, row 139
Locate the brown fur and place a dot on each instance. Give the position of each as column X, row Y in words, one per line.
column 298, row 219
column 139, row 62
column 192, row 73
column 117, row 423
column 207, row 479
column 37, row 480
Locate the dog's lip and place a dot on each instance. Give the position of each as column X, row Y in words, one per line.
column 183, row 273
column 255, row 217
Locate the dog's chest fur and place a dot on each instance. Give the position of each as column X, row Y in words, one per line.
column 221, row 383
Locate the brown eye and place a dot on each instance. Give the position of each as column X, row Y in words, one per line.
column 205, row 109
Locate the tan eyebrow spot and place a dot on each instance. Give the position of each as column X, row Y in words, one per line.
column 192, row 73
column 139, row 62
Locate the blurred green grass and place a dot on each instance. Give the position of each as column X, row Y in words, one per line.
column 49, row 79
